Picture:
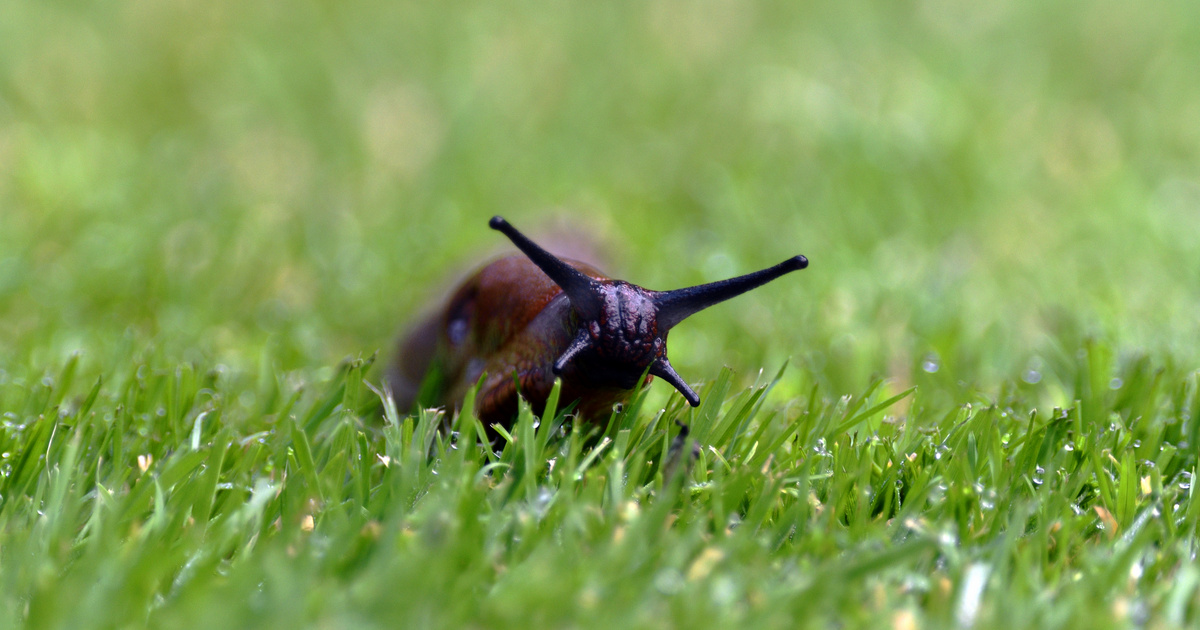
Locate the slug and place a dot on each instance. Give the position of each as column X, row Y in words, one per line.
column 527, row 318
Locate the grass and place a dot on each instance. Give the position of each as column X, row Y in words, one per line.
column 991, row 401
column 150, row 500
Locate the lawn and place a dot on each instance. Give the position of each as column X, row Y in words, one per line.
column 978, row 407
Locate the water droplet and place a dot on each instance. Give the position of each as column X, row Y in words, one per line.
column 1032, row 377
column 931, row 364
column 1069, row 446
column 1116, row 383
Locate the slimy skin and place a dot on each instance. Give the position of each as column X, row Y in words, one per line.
column 525, row 319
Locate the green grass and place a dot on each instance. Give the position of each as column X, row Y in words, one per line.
column 990, row 410
column 152, row 500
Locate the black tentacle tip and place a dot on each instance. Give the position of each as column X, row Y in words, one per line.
column 797, row 263
column 498, row 223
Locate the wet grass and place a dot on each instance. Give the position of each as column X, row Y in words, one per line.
column 157, row 498
column 989, row 413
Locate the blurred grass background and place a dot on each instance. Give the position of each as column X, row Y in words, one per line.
column 979, row 186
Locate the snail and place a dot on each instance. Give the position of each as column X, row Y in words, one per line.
column 527, row 318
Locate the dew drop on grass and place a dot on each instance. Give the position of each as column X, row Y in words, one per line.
column 1032, row 377
column 1116, row 383
column 931, row 364
column 1069, row 446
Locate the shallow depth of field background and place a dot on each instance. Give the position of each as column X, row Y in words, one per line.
column 257, row 190
column 978, row 187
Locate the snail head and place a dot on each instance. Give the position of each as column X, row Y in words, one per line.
column 623, row 327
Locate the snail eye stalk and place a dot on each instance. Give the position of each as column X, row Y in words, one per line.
column 676, row 306
column 583, row 292
column 625, row 321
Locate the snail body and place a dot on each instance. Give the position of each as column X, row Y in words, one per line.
column 525, row 319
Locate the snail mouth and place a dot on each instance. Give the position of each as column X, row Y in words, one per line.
column 599, row 372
